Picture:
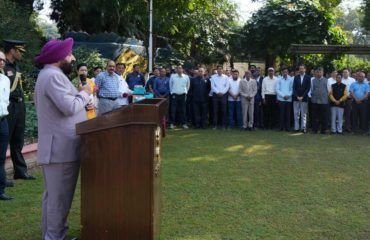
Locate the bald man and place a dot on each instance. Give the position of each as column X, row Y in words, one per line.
column 107, row 84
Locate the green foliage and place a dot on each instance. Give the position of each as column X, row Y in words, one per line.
column 366, row 20
column 351, row 23
column 194, row 27
column 48, row 30
column 357, row 63
column 31, row 134
column 276, row 26
column 17, row 22
column 91, row 57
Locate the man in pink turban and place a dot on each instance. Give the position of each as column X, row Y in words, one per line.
column 60, row 106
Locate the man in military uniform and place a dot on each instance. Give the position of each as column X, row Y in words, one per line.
column 14, row 51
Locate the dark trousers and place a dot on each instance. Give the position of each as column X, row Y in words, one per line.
column 309, row 123
column 178, row 102
column 189, row 109
column 359, row 112
column 17, row 124
column 210, row 110
column 348, row 121
column 235, row 110
column 258, row 115
column 200, row 111
column 270, row 112
column 4, row 134
column 320, row 117
column 219, row 105
column 285, row 113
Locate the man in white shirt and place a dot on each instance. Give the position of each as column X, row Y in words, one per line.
column 234, row 104
column 219, row 86
column 269, row 99
column 179, row 87
column 332, row 78
column 347, row 80
column 123, row 88
column 4, row 131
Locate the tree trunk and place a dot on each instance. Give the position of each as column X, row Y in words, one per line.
column 270, row 62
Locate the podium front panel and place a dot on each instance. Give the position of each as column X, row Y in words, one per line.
column 120, row 180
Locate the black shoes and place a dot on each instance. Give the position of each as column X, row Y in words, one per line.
column 4, row 197
column 9, row 183
column 24, row 177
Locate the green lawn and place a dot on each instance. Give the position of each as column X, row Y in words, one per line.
column 225, row 185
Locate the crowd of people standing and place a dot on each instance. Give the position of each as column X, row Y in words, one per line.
column 286, row 101
column 224, row 99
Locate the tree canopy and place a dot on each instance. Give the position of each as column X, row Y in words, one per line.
column 366, row 20
column 278, row 24
column 22, row 27
column 192, row 26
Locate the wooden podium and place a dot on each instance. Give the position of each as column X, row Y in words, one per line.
column 120, row 173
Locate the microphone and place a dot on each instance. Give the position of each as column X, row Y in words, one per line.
column 83, row 83
column 83, row 79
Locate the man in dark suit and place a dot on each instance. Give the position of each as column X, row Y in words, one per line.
column 301, row 88
column 199, row 90
column 258, row 114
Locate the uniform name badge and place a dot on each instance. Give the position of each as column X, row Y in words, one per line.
column 10, row 73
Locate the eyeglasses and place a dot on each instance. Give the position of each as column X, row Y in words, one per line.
column 2, row 60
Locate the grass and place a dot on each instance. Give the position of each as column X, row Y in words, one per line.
column 228, row 185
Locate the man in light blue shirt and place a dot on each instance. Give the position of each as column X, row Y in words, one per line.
column 360, row 93
column 179, row 87
column 284, row 91
column 107, row 84
column 219, row 86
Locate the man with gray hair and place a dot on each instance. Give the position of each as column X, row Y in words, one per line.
column 360, row 93
column 320, row 101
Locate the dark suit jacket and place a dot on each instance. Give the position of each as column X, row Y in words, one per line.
column 199, row 89
column 299, row 89
column 258, row 97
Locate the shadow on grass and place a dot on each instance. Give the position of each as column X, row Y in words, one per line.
column 265, row 185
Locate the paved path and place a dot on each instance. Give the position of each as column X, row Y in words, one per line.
column 29, row 153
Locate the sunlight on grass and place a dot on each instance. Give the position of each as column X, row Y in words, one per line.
column 204, row 237
column 193, row 135
column 204, row 158
column 258, row 149
column 235, row 148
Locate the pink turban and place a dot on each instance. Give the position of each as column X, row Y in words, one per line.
column 54, row 51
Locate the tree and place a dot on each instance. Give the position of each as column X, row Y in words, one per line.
column 328, row 4
column 279, row 24
column 48, row 30
column 351, row 23
column 22, row 27
column 194, row 27
column 366, row 20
